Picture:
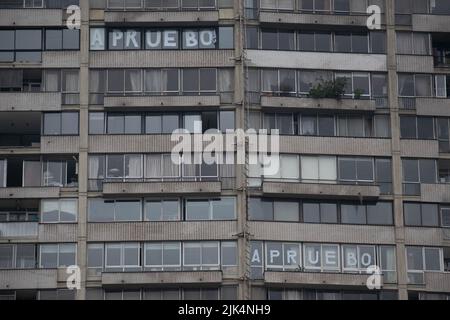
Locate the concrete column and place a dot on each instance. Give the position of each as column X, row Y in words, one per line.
column 83, row 151
column 395, row 147
column 241, row 181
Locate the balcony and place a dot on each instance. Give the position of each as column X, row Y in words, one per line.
column 437, row 282
column 29, row 192
column 28, row 279
column 435, row 192
column 161, row 101
column 158, row 278
column 161, row 231
column 31, row 17
column 207, row 17
column 329, row 233
column 318, row 104
column 60, row 144
column 131, row 143
column 326, row 280
column 10, row 230
column 322, row 190
column 20, row 130
column 168, row 188
column 335, row 146
column 162, row 58
column 430, row 23
column 30, row 101
column 317, row 60
column 273, row 17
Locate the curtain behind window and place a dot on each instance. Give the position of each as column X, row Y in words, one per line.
column 153, row 166
column 153, row 81
column 421, row 43
column 32, row 173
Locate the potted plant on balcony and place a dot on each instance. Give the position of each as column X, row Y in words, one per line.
column 328, row 89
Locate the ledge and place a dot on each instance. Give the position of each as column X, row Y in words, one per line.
column 30, row 192
column 161, row 17
column 325, row 104
column 28, row 279
column 320, row 191
column 160, row 101
column 158, row 278
column 172, row 188
column 315, row 279
column 30, row 101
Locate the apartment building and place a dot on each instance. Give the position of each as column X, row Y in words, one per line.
column 86, row 176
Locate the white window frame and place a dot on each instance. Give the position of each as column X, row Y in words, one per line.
column 122, row 246
column 162, row 245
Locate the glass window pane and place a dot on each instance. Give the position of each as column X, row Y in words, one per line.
column 71, row 39
column 380, row 214
column 197, row 210
column 28, row 39
column 286, row 211
column 53, row 40
column 353, row 214
column 69, row 123
column 69, row 209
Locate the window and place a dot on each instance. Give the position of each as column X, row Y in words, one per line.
column 17, row 256
column 126, row 167
column 201, row 255
column 417, row 127
column 62, row 210
column 199, row 80
column 123, row 123
column 356, row 169
column 57, row 255
column 380, row 214
column 318, row 168
column 101, row 210
column 353, row 214
column 2, row 173
column 315, row 212
column 420, row 259
column 413, row 43
column 95, row 256
column 64, row 123
column 220, row 209
column 445, row 216
column 122, row 256
column 421, row 214
column 283, row 256
column 59, row 173
column 62, row 39
column 357, row 258
column 162, row 210
column 96, row 123
column 321, row 257
column 162, row 256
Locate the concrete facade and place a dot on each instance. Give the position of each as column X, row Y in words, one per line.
column 231, row 182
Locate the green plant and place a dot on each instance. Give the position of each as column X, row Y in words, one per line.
column 358, row 93
column 333, row 89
